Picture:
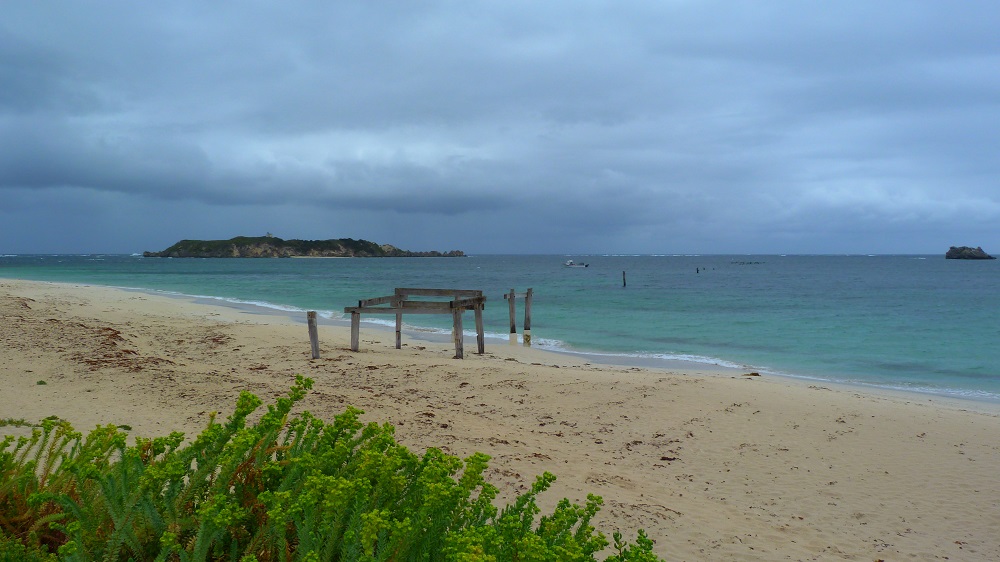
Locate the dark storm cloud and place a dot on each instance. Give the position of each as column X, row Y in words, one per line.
column 580, row 126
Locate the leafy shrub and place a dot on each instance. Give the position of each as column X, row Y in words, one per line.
column 280, row 489
column 12, row 550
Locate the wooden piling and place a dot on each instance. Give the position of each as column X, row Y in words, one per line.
column 480, row 334
column 456, row 315
column 355, row 330
column 527, row 318
column 399, row 330
column 313, row 333
column 623, row 279
column 513, row 323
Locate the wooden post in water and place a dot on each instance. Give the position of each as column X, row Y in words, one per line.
column 513, row 324
column 456, row 315
column 623, row 279
column 527, row 318
column 313, row 333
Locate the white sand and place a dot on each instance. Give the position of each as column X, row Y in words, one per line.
column 714, row 467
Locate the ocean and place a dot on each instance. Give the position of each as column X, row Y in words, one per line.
column 916, row 323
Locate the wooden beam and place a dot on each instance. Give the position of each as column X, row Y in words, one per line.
column 377, row 301
column 413, row 307
column 387, row 310
column 410, row 292
column 444, row 306
column 468, row 304
column 516, row 295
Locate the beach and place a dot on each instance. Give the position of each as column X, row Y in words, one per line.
column 714, row 465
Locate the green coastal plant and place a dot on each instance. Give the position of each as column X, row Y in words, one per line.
column 281, row 489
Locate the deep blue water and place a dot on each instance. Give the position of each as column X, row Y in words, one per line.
column 918, row 323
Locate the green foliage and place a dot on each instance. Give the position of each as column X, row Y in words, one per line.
column 642, row 551
column 281, row 489
column 12, row 550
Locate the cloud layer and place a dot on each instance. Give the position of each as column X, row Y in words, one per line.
column 647, row 127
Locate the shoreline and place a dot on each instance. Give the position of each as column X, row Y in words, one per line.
column 713, row 466
column 610, row 360
column 948, row 362
column 434, row 335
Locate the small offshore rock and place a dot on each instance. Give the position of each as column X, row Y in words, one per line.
column 967, row 253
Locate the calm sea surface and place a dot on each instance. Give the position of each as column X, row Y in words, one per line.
column 918, row 323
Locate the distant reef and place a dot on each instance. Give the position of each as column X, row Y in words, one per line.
column 967, row 253
column 274, row 247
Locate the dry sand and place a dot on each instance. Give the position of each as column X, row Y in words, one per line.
column 715, row 466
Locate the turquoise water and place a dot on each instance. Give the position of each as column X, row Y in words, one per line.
column 919, row 323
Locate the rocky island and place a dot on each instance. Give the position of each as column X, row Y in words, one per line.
column 967, row 253
column 274, row 247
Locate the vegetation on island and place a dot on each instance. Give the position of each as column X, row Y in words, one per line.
column 280, row 489
column 273, row 247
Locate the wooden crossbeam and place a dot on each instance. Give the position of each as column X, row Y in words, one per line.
column 402, row 310
column 411, row 292
column 378, row 300
column 468, row 304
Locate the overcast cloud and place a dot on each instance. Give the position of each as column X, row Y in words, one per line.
column 502, row 127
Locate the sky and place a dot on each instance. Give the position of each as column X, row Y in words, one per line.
column 567, row 127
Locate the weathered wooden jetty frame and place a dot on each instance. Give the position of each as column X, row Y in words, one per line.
column 510, row 298
column 398, row 304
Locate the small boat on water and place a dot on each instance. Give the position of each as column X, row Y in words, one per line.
column 571, row 263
